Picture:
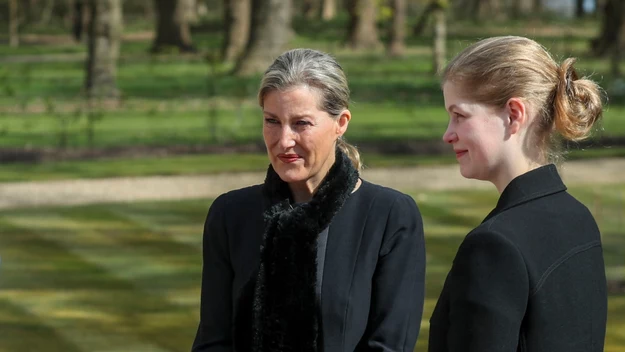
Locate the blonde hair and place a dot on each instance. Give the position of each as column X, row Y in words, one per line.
column 496, row 69
column 319, row 71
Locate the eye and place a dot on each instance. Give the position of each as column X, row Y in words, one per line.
column 458, row 116
column 303, row 123
column 271, row 121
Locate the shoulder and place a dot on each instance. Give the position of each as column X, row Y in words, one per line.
column 382, row 197
column 486, row 250
column 395, row 211
column 238, row 198
column 558, row 215
column 484, row 238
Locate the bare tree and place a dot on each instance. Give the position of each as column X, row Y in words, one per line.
column 78, row 19
column 270, row 32
column 398, row 28
column 105, row 30
column 440, row 38
column 46, row 14
column 328, row 9
column 491, row 9
column 579, row 8
column 172, row 25
column 521, row 8
column 363, row 33
column 611, row 27
column 14, row 20
column 237, row 28
column 422, row 21
column 311, row 8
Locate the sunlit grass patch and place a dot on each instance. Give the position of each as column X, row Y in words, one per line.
column 127, row 276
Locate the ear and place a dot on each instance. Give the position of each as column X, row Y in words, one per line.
column 342, row 122
column 517, row 114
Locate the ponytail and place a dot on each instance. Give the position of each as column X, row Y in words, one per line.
column 577, row 103
column 351, row 152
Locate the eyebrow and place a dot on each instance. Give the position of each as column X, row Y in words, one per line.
column 294, row 117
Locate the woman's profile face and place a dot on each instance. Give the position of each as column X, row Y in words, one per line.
column 477, row 134
column 300, row 138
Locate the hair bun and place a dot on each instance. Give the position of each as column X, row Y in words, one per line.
column 577, row 103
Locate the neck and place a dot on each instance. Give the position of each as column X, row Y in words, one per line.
column 303, row 191
column 510, row 172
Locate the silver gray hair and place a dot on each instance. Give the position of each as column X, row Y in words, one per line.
column 318, row 71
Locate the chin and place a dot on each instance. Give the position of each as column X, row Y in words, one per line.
column 468, row 173
column 290, row 175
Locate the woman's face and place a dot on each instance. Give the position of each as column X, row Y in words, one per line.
column 300, row 138
column 477, row 133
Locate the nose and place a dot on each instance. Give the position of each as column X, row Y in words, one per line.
column 450, row 136
column 287, row 137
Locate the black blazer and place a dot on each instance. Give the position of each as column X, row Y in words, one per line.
column 372, row 287
column 529, row 278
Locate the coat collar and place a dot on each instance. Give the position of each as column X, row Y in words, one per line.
column 278, row 307
column 534, row 184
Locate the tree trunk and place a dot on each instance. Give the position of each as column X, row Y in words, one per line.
column 269, row 34
column 619, row 45
column 237, row 28
column 105, row 30
column 611, row 26
column 398, row 29
column 78, row 20
column 30, row 8
column 579, row 8
column 521, row 8
column 311, row 9
column 440, row 38
column 148, row 9
column 489, row 9
column 14, row 39
column 538, row 6
column 417, row 30
column 46, row 14
column 172, row 25
column 469, row 9
column 328, row 9
column 363, row 32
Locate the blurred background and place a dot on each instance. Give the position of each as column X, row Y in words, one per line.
column 120, row 121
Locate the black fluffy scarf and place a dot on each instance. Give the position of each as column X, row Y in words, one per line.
column 278, row 310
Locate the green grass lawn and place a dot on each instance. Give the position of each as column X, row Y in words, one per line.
column 167, row 99
column 216, row 163
column 176, row 100
column 127, row 276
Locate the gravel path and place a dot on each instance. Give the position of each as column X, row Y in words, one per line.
column 76, row 192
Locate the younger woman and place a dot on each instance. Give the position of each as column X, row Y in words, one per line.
column 531, row 276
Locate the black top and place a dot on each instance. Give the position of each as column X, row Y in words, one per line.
column 373, row 274
column 531, row 277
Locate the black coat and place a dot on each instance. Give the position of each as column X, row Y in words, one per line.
column 372, row 287
column 531, row 277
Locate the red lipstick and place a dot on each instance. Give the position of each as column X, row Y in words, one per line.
column 288, row 158
column 460, row 153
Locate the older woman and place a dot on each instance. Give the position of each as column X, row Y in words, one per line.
column 315, row 258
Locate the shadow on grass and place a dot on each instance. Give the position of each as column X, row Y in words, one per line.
column 88, row 271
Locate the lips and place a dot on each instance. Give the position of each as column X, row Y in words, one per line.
column 288, row 158
column 460, row 153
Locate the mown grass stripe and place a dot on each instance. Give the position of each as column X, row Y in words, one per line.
column 71, row 326
column 15, row 322
column 106, row 244
column 47, row 282
column 40, row 274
